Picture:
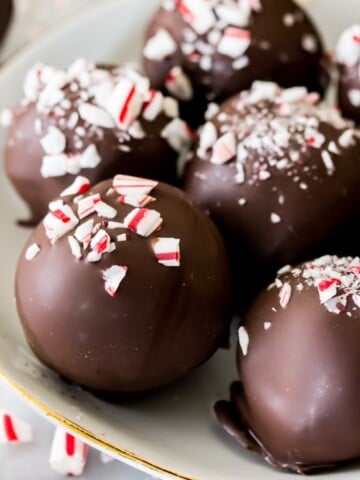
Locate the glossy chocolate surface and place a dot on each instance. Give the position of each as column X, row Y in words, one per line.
column 161, row 323
column 297, row 400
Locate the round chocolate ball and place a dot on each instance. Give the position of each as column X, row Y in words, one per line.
column 299, row 366
column 278, row 173
column 348, row 57
column 200, row 51
column 6, row 10
column 93, row 120
column 124, row 288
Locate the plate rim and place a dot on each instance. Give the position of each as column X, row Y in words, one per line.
column 36, row 404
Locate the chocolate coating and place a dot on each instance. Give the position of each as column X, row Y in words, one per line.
column 139, row 149
column 285, row 47
column 162, row 322
column 297, row 403
column 348, row 53
column 6, row 11
column 283, row 190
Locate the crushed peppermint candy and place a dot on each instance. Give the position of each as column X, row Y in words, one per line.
column 243, row 340
column 269, row 130
column 336, row 280
column 90, row 223
column 167, row 251
column 348, row 47
column 32, row 251
column 87, row 104
column 113, row 277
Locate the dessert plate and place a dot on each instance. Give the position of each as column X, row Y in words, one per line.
column 173, row 433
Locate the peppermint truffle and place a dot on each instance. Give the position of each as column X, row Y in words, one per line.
column 123, row 287
column 93, row 120
column 278, row 173
column 199, row 50
column 6, row 10
column 299, row 364
column 348, row 57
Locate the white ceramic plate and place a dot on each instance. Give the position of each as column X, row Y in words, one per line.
column 173, row 434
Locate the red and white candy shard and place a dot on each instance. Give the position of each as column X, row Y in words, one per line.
column 83, row 232
column 68, row 454
column 224, row 149
column 167, row 251
column 234, row 42
column 90, row 157
column 153, row 105
column 178, row 135
column 80, row 185
column 125, row 103
column 243, row 340
column 86, row 206
column 14, row 430
column 160, row 46
column 32, row 251
column 113, row 277
column 136, row 199
column 127, row 185
column 100, row 243
column 348, row 47
column 74, row 247
column 143, row 221
column 285, row 295
column 104, row 210
column 327, row 288
column 178, row 84
column 95, row 115
column 54, row 141
column 198, row 14
column 60, row 220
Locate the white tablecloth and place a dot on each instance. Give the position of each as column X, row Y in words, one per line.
column 30, row 461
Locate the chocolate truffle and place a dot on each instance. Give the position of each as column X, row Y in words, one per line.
column 299, row 365
column 6, row 10
column 125, row 287
column 278, row 173
column 348, row 57
column 96, row 120
column 199, row 50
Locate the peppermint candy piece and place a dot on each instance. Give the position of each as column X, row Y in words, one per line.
column 243, row 340
column 153, row 105
column 54, row 165
column 237, row 14
column 285, row 295
column 327, row 288
column 125, row 103
column 32, row 251
column 127, row 185
column 14, row 430
column 136, row 199
column 84, row 231
column 178, row 84
column 68, row 454
column 54, row 141
column 95, row 115
column 113, row 277
column 234, row 42
column 90, row 157
column 59, row 221
column 178, row 135
column 80, row 185
column 74, row 247
column 86, row 206
column 348, row 47
column 167, row 251
column 224, row 149
column 101, row 242
column 160, row 46
column 143, row 221
column 208, row 137
column 104, row 210
column 198, row 14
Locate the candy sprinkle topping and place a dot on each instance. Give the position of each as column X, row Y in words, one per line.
column 336, row 280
